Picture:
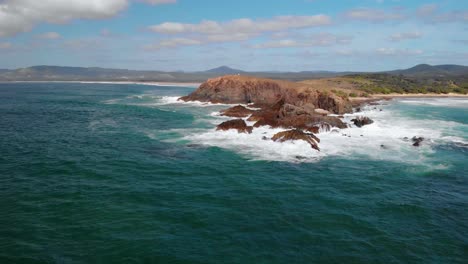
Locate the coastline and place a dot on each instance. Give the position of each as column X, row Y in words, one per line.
column 377, row 97
column 182, row 84
column 419, row 95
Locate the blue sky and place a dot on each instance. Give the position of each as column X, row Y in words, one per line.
column 190, row 35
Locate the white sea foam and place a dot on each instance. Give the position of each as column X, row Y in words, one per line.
column 443, row 102
column 388, row 138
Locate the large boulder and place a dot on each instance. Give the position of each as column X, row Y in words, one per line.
column 361, row 121
column 237, row 111
column 296, row 134
column 237, row 124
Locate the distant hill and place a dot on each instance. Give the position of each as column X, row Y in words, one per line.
column 434, row 71
column 224, row 70
column 60, row 73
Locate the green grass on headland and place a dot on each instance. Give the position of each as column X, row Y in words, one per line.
column 388, row 83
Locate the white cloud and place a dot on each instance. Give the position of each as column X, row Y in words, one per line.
column 243, row 29
column 18, row 16
column 405, row 36
column 173, row 43
column 5, row 45
column 243, row 25
column 398, row 52
column 49, row 35
column 373, row 15
column 321, row 39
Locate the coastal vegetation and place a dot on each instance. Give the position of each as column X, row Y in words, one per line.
column 389, row 83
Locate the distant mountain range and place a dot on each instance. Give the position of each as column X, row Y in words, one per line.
column 438, row 70
column 59, row 73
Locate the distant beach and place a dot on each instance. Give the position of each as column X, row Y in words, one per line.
column 178, row 84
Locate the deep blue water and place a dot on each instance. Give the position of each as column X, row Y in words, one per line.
column 103, row 173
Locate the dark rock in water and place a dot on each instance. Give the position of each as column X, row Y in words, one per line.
column 296, row 134
column 237, row 111
column 238, row 124
column 264, row 138
column 301, row 157
column 405, row 139
column 362, row 121
column 383, row 146
column 194, row 145
column 357, row 110
column 417, row 141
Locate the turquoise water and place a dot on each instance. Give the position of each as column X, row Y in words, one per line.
column 103, row 173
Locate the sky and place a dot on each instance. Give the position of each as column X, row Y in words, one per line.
column 253, row 35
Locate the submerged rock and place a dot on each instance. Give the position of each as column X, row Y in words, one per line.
column 237, row 124
column 417, row 141
column 296, row 134
column 362, row 121
column 237, row 111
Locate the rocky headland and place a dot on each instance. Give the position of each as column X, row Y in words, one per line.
column 300, row 108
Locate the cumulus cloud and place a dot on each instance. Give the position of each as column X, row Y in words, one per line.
column 243, row 25
column 373, row 15
column 398, row 52
column 322, row 39
column 18, row 16
column 405, row 36
column 243, row 29
column 173, row 43
column 49, row 35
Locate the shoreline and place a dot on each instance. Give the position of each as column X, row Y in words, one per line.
column 419, row 95
column 175, row 84
column 376, row 97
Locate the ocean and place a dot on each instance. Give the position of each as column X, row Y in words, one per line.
column 122, row 173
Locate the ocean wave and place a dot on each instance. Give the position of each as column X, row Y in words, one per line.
column 440, row 102
column 388, row 138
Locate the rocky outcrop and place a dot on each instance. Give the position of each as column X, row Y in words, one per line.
column 237, row 111
column 361, row 121
column 237, row 124
column 299, row 107
column 296, row 134
column 234, row 89
column 282, row 115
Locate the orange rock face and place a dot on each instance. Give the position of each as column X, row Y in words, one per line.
column 234, row 89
